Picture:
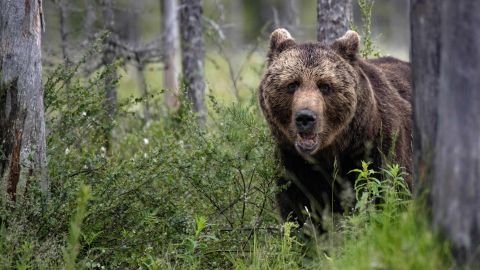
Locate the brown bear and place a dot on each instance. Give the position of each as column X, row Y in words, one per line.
column 328, row 110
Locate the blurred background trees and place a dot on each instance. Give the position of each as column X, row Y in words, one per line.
column 144, row 40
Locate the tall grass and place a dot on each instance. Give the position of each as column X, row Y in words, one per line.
column 73, row 247
column 392, row 234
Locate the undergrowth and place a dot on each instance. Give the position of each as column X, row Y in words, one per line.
column 388, row 230
column 173, row 195
column 368, row 48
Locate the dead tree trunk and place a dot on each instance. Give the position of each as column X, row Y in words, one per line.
column 171, row 54
column 446, row 64
column 193, row 54
column 333, row 19
column 22, row 120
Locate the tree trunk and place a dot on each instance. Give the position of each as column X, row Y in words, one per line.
column 142, row 85
column 425, row 56
column 193, row 54
column 127, row 27
column 63, row 15
column 90, row 18
column 333, row 18
column 171, row 59
column 287, row 15
column 446, row 64
column 108, row 60
column 22, row 120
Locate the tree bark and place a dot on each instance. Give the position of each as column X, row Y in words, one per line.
column 425, row 57
column 333, row 18
column 22, row 120
column 446, row 64
column 193, row 54
column 171, row 59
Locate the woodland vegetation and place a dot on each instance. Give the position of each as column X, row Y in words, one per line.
column 131, row 137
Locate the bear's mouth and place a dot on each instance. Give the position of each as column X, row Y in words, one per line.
column 306, row 142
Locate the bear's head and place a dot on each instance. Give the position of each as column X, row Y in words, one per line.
column 308, row 93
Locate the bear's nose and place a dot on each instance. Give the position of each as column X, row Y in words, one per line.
column 305, row 120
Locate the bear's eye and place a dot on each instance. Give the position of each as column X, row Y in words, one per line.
column 292, row 87
column 324, row 88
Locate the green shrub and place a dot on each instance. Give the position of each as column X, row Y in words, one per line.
column 146, row 189
column 368, row 48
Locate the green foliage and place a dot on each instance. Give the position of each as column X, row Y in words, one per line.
column 367, row 187
column 71, row 252
column 391, row 234
column 275, row 251
column 368, row 48
column 152, row 191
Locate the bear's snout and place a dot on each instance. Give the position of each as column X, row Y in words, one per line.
column 305, row 120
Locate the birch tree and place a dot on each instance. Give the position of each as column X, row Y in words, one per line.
column 22, row 119
column 171, row 57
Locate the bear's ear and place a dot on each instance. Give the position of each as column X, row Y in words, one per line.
column 280, row 40
column 347, row 46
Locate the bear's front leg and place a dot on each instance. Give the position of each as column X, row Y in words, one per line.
column 291, row 201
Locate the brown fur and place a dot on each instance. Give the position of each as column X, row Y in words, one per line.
column 362, row 110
